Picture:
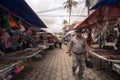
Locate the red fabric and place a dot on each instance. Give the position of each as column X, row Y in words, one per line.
column 1, row 32
column 7, row 43
column 113, row 13
column 13, row 24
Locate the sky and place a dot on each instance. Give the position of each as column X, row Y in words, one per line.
column 52, row 13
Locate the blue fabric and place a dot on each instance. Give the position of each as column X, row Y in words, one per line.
column 41, row 30
column 105, row 3
column 21, row 8
column 66, row 36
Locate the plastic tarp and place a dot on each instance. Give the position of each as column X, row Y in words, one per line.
column 69, row 34
column 93, row 18
column 101, row 15
column 105, row 3
column 22, row 9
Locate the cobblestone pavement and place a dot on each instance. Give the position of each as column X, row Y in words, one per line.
column 56, row 65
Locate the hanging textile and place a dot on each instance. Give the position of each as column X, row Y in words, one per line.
column 22, row 28
column 13, row 24
column 7, row 40
column 4, row 22
column 23, row 10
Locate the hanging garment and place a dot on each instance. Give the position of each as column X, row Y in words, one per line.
column 4, row 22
column 13, row 24
column 1, row 32
column 7, row 43
column 14, row 43
column 22, row 28
column 6, row 38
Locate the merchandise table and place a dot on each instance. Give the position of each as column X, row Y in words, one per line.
column 110, row 56
column 106, row 56
column 20, row 55
column 9, row 68
column 116, row 67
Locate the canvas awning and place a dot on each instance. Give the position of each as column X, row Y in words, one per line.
column 21, row 8
column 93, row 18
column 101, row 16
column 102, row 3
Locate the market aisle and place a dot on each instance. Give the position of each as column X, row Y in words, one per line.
column 56, row 65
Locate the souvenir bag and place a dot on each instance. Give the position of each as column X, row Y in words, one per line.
column 88, row 62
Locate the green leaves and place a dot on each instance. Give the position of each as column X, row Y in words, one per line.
column 69, row 4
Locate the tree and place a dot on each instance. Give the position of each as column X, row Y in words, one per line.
column 69, row 4
column 65, row 22
column 88, row 6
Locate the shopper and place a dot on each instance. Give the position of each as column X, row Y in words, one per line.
column 60, row 44
column 78, row 48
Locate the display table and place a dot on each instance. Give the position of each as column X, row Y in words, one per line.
column 9, row 68
column 43, row 46
column 110, row 56
column 20, row 55
column 13, row 63
column 51, row 44
column 116, row 67
column 106, row 55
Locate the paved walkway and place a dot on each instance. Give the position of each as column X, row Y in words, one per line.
column 56, row 65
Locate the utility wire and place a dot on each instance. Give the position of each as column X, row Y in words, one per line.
column 50, row 10
column 54, row 9
column 61, row 15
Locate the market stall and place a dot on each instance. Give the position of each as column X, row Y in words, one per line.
column 45, row 40
column 104, row 24
column 41, row 40
column 116, row 67
column 10, row 68
column 17, row 44
column 50, row 39
column 21, row 54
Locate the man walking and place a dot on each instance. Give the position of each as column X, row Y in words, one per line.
column 60, row 44
column 78, row 48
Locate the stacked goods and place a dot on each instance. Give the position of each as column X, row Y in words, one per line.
column 5, row 64
column 116, row 67
column 18, row 54
column 114, row 57
column 109, row 54
column 106, row 52
column 10, row 68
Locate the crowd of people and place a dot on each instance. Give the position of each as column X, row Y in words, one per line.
column 58, row 43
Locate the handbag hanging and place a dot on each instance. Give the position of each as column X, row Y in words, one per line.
column 88, row 62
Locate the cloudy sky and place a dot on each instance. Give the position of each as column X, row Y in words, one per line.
column 52, row 12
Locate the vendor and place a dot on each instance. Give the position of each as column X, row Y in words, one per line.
column 118, row 42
